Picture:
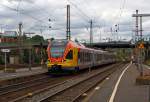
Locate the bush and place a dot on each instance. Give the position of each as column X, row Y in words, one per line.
column 1, row 59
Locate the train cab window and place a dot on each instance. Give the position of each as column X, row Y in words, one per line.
column 70, row 55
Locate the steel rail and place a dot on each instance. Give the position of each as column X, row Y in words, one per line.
column 4, row 88
column 50, row 91
column 21, row 86
column 73, row 93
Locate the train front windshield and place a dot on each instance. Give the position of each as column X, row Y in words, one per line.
column 57, row 48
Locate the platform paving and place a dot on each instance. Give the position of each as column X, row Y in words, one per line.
column 21, row 73
column 127, row 90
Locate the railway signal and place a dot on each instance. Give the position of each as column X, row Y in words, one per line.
column 141, row 46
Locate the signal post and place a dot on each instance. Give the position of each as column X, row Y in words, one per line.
column 140, row 46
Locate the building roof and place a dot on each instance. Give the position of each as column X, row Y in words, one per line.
column 9, row 34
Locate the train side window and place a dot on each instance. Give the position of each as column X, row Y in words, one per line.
column 70, row 55
column 79, row 56
column 82, row 57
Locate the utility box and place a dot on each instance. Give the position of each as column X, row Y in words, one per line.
column 14, row 59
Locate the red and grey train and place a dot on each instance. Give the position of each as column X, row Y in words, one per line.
column 64, row 55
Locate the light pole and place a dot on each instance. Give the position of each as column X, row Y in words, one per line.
column 116, row 30
column 5, row 62
column 30, row 56
column 30, row 50
column 100, row 35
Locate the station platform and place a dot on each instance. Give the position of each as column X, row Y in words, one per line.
column 121, row 87
column 22, row 72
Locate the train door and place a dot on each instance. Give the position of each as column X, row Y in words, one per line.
column 75, row 56
column 80, row 59
column 93, row 58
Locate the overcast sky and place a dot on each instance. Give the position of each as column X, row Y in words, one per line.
column 34, row 15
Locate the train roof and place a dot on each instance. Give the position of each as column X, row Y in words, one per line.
column 77, row 44
column 72, row 43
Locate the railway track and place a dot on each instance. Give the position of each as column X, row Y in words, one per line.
column 16, row 87
column 11, row 92
column 72, row 93
column 9, row 82
column 64, row 91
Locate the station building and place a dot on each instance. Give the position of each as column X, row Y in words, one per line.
column 8, row 36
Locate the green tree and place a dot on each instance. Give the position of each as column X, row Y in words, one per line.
column 1, row 59
column 37, row 38
column 52, row 39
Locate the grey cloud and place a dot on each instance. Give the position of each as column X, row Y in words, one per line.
column 28, row 1
column 105, row 14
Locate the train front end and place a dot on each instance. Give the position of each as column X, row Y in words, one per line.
column 62, row 57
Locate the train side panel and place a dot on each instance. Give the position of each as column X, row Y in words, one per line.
column 69, row 61
column 84, row 58
column 76, row 57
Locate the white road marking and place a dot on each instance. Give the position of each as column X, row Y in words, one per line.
column 91, row 94
column 97, row 88
column 107, row 78
column 147, row 66
column 117, row 84
column 13, row 75
column 84, row 94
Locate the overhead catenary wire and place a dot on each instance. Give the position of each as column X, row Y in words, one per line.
column 19, row 11
column 31, row 7
column 36, row 19
column 87, row 18
column 28, row 15
column 80, row 3
column 13, row 9
column 96, row 25
column 84, row 16
column 116, row 24
column 34, row 6
column 49, row 15
column 19, row 2
column 119, row 15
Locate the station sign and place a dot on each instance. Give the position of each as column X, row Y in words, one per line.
column 5, row 50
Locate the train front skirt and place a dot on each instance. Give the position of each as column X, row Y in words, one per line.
column 57, row 69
